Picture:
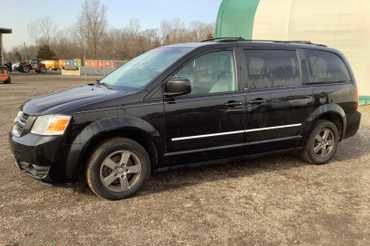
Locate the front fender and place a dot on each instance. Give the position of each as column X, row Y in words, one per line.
column 322, row 111
column 99, row 128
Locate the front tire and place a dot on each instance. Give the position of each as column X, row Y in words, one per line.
column 322, row 143
column 118, row 169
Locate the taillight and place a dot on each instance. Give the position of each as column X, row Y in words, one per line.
column 357, row 98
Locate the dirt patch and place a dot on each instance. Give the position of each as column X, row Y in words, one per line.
column 275, row 200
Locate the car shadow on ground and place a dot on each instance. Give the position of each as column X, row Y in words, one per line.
column 171, row 180
column 185, row 177
column 190, row 176
column 176, row 179
column 355, row 147
column 182, row 178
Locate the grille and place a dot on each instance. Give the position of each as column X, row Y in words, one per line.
column 21, row 125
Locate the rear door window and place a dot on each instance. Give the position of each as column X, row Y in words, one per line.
column 272, row 69
column 326, row 67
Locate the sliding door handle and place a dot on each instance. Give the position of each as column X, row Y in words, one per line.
column 257, row 101
column 233, row 104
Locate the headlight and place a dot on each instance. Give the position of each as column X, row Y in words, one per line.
column 51, row 125
column 19, row 115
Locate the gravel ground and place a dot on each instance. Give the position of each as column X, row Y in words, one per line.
column 275, row 200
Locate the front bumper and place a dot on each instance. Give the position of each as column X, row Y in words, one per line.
column 41, row 157
column 35, row 171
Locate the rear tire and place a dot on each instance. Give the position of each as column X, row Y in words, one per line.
column 322, row 143
column 118, row 169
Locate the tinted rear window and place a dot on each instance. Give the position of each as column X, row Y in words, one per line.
column 326, row 67
column 272, row 69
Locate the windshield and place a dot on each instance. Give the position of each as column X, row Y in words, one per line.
column 143, row 69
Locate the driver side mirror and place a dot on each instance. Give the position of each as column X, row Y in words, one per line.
column 178, row 86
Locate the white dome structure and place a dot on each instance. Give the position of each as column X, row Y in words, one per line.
column 340, row 24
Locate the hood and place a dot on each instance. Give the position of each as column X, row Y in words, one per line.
column 72, row 100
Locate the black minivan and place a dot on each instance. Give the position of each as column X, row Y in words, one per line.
column 188, row 104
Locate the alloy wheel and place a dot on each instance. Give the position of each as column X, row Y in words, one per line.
column 324, row 143
column 120, row 171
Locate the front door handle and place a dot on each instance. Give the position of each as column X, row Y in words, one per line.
column 257, row 101
column 233, row 104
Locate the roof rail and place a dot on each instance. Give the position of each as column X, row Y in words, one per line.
column 225, row 39
column 237, row 39
column 300, row 42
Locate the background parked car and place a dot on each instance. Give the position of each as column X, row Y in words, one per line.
column 34, row 65
column 24, row 67
column 37, row 66
column 9, row 66
column 15, row 66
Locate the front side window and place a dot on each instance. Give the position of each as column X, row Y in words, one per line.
column 140, row 71
column 326, row 67
column 211, row 73
column 272, row 69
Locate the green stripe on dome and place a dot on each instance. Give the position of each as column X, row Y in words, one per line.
column 236, row 18
column 364, row 100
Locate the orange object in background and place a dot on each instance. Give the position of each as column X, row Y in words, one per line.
column 102, row 64
column 4, row 75
column 51, row 64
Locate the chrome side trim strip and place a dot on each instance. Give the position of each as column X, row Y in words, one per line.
column 231, row 146
column 272, row 128
column 235, row 132
column 208, row 135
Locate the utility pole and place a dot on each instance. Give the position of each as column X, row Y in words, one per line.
column 1, row 50
column 2, row 31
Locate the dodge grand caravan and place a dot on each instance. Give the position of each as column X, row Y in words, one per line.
column 188, row 104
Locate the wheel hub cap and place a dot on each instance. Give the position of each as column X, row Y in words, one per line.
column 324, row 143
column 120, row 171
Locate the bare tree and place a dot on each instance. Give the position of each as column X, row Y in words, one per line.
column 67, row 44
column 22, row 53
column 42, row 31
column 92, row 25
column 176, row 31
column 87, row 39
column 133, row 27
column 200, row 30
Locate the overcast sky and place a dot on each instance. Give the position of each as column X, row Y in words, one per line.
column 16, row 14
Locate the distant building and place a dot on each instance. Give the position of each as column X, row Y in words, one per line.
column 3, row 31
column 339, row 24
